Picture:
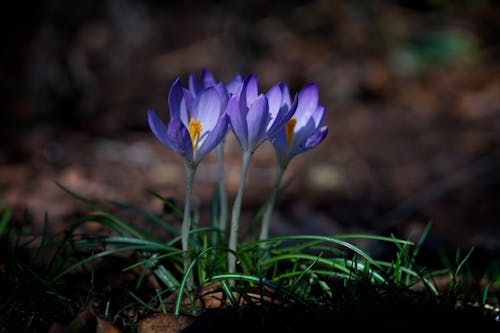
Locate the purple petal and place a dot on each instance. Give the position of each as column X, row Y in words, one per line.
column 175, row 97
column 223, row 94
column 193, row 85
column 175, row 136
column 274, row 99
column 186, row 107
column 249, row 91
column 234, row 86
column 237, row 118
column 257, row 120
column 206, row 80
column 285, row 97
column 214, row 137
column 301, row 133
column 159, row 129
column 316, row 138
column 207, row 108
column 180, row 139
column 281, row 147
column 310, row 142
column 319, row 115
column 279, row 140
column 283, row 117
column 308, row 102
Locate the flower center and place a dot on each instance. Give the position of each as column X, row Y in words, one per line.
column 194, row 129
column 289, row 127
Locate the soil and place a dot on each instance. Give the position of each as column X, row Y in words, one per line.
column 411, row 89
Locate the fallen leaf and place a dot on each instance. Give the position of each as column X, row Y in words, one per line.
column 164, row 323
column 104, row 326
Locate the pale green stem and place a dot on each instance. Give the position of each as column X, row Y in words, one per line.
column 222, row 189
column 186, row 222
column 264, row 231
column 235, row 217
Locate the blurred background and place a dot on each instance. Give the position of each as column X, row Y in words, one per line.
column 411, row 89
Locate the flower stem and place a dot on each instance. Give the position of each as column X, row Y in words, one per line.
column 264, row 231
column 222, row 189
column 235, row 217
column 186, row 222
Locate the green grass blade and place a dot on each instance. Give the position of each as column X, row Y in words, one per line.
column 192, row 232
column 254, row 280
column 173, row 209
column 120, row 225
column 227, row 290
column 140, row 301
column 151, row 217
column 98, row 255
column 462, row 262
column 335, row 240
column 166, row 277
column 415, row 274
column 4, row 221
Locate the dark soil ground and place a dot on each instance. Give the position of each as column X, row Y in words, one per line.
column 411, row 89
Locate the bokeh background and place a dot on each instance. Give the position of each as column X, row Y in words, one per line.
column 411, row 89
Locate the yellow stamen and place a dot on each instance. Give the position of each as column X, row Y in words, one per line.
column 289, row 127
column 194, row 131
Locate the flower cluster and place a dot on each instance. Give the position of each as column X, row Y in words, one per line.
column 203, row 113
column 200, row 115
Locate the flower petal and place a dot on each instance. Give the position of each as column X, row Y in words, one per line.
column 274, row 99
column 282, row 118
column 257, row 119
column 279, row 140
column 285, row 97
column 307, row 104
column 214, row 137
column 180, row 139
column 207, row 108
column 175, row 136
column 234, row 86
column 159, row 129
column 223, row 94
column 319, row 115
column 249, row 91
column 237, row 118
column 310, row 142
column 300, row 134
column 281, row 148
column 186, row 108
column 206, row 80
column 194, row 87
column 316, row 138
column 175, row 97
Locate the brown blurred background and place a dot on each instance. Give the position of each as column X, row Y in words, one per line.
column 411, row 88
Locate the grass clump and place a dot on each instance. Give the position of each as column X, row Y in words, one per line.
column 129, row 274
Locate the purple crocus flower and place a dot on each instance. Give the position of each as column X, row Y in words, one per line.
column 206, row 80
column 304, row 131
column 197, row 121
column 233, row 87
column 255, row 117
column 196, row 86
